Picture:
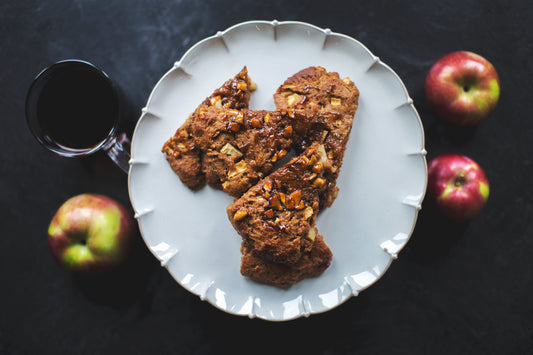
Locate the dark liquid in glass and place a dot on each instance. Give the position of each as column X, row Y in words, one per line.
column 77, row 107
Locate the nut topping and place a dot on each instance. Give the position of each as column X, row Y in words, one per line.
column 275, row 202
column 319, row 182
column 240, row 214
column 282, row 198
column 239, row 119
column 287, row 132
column 267, row 186
column 296, row 196
column 234, row 127
column 317, row 168
column 269, row 213
column 255, row 123
column 241, row 85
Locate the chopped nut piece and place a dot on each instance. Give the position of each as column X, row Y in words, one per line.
column 230, row 150
column 287, row 132
column 308, row 212
column 315, row 205
column 216, row 101
column 300, row 206
column 313, row 160
column 240, row 118
column 282, row 153
column 269, row 213
column 240, row 214
column 288, row 86
column 292, row 99
column 291, row 113
column 275, row 203
column 296, row 196
column 317, row 168
column 255, row 123
column 238, row 168
column 313, row 176
column 241, row 85
column 293, row 160
column 319, row 182
column 234, row 127
column 324, row 135
column 311, row 235
column 347, row 81
column 289, row 203
column 274, row 158
column 253, row 86
column 267, row 186
column 278, row 183
column 336, row 101
column 282, row 198
column 333, row 169
column 267, row 118
column 181, row 146
column 266, row 194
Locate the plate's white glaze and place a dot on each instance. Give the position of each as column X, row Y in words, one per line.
column 382, row 181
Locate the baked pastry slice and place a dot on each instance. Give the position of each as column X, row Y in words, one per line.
column 311, row 264
column 276, row 217
column 181, row 151
column 335, row 100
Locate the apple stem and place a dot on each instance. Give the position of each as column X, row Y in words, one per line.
column 460, row 180
column 466, row 88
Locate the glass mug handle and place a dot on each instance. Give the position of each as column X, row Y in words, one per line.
column 118, row 149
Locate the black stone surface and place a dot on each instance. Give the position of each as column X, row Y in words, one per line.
column 455, row 289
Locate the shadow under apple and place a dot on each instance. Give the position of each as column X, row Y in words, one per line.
column 434, row 234
column 122, row 286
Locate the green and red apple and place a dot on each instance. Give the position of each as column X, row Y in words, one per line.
column 91, row 233
column 459, row 186
column 463, row 88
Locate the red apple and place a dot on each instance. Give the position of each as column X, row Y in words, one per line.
column 463, row 87
column 91, row 233
column 459, row 186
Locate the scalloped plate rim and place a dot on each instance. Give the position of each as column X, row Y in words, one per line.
column 327, row 32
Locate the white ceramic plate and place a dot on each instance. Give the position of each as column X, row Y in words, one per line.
column 382, row 181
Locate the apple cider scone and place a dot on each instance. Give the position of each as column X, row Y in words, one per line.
column 181, row 151
column 276, row 217
column 335, row 100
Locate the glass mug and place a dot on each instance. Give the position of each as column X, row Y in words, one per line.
column 73, row 109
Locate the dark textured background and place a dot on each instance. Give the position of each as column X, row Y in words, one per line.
column 456, row 289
